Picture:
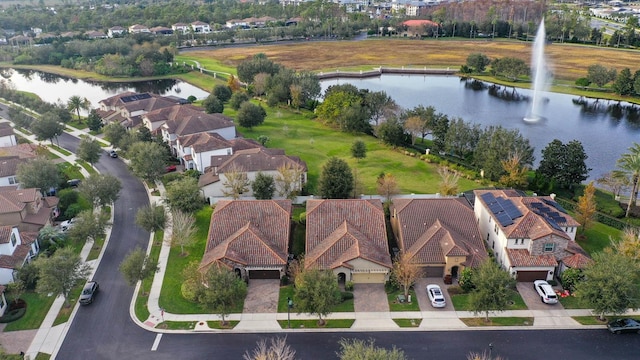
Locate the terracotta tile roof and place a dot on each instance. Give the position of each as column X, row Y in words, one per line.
column 532, row 224
column 238, row 144
column 148, row 105
column 28, row 237
column 9, row 166
column 578, row 258
column 249, row 232
column 40, row 218
column 522, row 258
column 339, row 231
column 259, row 159
column 17, row 259
column 202, row 142
column 209, row 177
column 115, row 100
column 431, row 229
column 51, row 201
column 10, row 202
column 187, row 119
column 5, row 234
column 23, row 151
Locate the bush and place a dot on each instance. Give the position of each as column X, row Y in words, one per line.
column 171, row 177
column 237, row 99
column 455, row 290
column 466, row 280
column 28, row 274
column 303, row 218
column 348, row 286
column 284, row 280
column 346, row 295
column 16, row 310
column 570, row 278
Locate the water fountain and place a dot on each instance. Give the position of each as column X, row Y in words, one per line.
column 540, row 78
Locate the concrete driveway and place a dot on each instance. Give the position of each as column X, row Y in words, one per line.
column 262, row 296
column 370, row 298
column 423, row 300
column 532, row 299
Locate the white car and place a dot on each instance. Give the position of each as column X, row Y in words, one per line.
column 546, row 292
column 67, row 224
column 436, row 296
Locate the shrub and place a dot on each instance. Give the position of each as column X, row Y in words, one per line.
column 284, row 280
column 171, row 177
column 303, row 218
column 455, row 290
column 466, row 280
column 346, row 295
column 570, row 278
column 348, row 286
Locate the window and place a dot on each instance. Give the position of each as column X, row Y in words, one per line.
column 13, row 239
column 12, row 180
column 496, row 228
column 548, row 247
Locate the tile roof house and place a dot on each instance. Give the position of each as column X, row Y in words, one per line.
column 137, row 29
column 440, row 234
column 186, row 120
column 7, row 136
column 195, row 151
column 349, row 238
column 26, row 208
column 529, row 235
column 16, row 249
column 128, row 108
column 116, row 31
column 181, row 27
column 8, row 170
column 251, row 237
column 250, row 161
column 200, row 27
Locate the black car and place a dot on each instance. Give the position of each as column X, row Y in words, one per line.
column 89, row 293
column 624, row 325
column 74, row 182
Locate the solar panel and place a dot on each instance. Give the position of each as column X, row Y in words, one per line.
column 553, row 224
column 488, row 198
column 495, row 208
column 536, row 205
column 555, row 205
column 504, row 219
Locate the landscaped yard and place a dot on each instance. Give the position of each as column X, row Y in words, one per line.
column 591, row 320
column 571, row 302
column 408, row 322
column 37, row 308
column 217, row 324
column 461, row 302
column 395, row 305
column 599, row 237
column 313, row 324
column 498, row 321
column 141, row 309
column 288, row 291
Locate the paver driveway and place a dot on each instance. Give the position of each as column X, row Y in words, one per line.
column 532, row 299
column 420, row 288
column 262, row 296
column 370, row 298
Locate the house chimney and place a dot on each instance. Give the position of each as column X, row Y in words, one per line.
column 552, row 196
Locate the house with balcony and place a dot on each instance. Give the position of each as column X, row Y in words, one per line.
column 181, row 28
column 16, row 249
column 200, row 27
column 196, row 151
column 128, row 108
column 529, row 235
column 186, row 120
column 138, row 29
column 116, row 31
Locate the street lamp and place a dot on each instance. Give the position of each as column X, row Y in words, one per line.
column 490, row 350
column 289, row 306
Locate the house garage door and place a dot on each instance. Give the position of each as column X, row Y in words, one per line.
column 367, row 278
column 264, row 274
column 433, row 271
column 531, row 276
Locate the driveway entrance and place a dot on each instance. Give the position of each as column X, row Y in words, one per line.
column 370, row 298
column 532, row 299
column 262, row 296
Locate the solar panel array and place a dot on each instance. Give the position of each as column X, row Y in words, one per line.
column 554, row 204
column 552, row 217
column 135, row 97
column 503, row 209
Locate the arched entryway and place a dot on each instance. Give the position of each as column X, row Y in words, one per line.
column 342, row 278
column 454, row 272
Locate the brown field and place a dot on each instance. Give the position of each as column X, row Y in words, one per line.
column 568, row 61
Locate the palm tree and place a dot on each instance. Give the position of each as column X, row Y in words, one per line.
column 77, row 103
column 630, row 163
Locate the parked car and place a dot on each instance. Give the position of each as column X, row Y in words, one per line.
column 624, row 325
column 171, row 168
column 89, row 293
column 546, row 292
column 74, row 182
column 67, row 224
column 435, row 296
column 113, row 154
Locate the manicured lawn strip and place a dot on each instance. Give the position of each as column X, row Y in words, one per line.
column 571, row 302
column 498, row 321
column 37, row 308
column 410, row 323
column 345, row 306
column 591, row 320
column 77, row 124
column 177, row 325
column 316, row 143
column 95, row 249
column 141, row 309
column 171, row 297
column 70, row 170
column 87, row 167
column 65, row 311
column 217, row 324
column 394, row 305
column 313, row 324
column 461, row 302
column 42, row 356
column 287, row 291
column 59, row 149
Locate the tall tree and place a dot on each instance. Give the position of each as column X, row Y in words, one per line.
column 94, row 121
column 77, row 103
column 147, row 160
column 630, row 163
column 263, row 186
column 47, row 127
column 478, row 62
column 38, row 173
column 448, row 185
column 114, row 132
column 623, row 84
column 610, row 284
column 493, row 289
column 152, row 218
column 616, row 181
column 359, row 150
column 564, row 163
column 391, row 132
column 89, row 150
column 404, row 272
column 289, row 180
column 60, row 273
column 515, row 174
column 509, row 67
column 236, row 182
column 222, row 92
column 378, row 103
column 137, row 266
column 250, row 115
column 213, row 105
column 599, row 75
column 387, row 186
column 336, row 180
column 497, row 144
column 223, row 291
column 88, row 226
column 101, row 189
column 183, row 231
column 316, row 292
column 184, row 195
column 356, row 349
column 586, row 209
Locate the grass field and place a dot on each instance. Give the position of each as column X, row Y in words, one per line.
column 498, row 321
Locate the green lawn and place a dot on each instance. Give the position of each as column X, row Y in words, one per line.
column 313, row 324
column 87, row 167
column 37, row 308
column 177, row 325
column 95, row 249
column 60, row 150
column 591, row 320
column 43, row 356
column 288, row 291
column 314, row 142
column 65, row 311
column 70, row 170
column 217, row 324
column 394, row 305
column 599, row 237
column 571, row 302
column 461, row 302
column 141, row 309
column 170, row 296
column 498, row 321
column 408, row 322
